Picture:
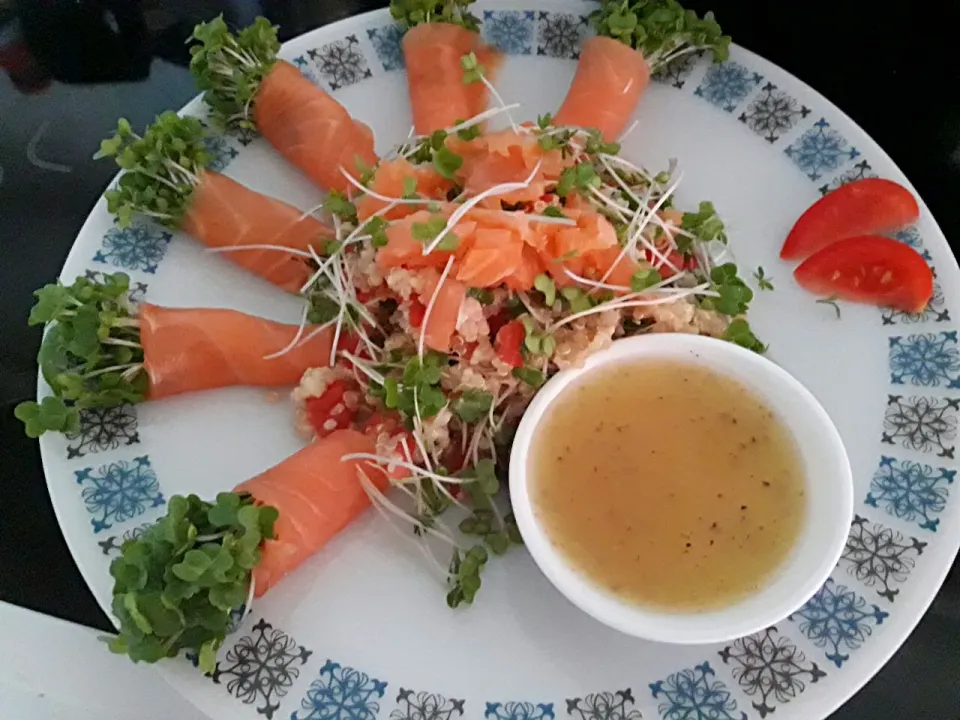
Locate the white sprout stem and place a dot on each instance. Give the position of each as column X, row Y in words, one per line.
column 622, row 305
column 525, row 301
column 496, row 190
column 627, row 164
column 429, row 310
column 296, row 338
column 481, row 117
column 278, row 248
column 121, row 343
column 336, row 335
column 362, row 367
column 418, row 471
column 626, row 133
column 399, row 201
column 496, row 95
column 656, row 62
column 595, row 284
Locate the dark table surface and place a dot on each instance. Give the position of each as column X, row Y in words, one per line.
column 893, row 74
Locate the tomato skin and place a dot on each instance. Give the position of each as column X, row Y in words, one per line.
column 417, row 313
column 508, row 342
column 862, row 207
column 319, row 409
column 870, row 269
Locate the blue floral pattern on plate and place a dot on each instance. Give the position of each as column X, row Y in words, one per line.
column 386, row 43
column 935, row 310
column 119, row 491
column 604, row 706
column 221, row 152
column 770, row 667
column 927, row 360
column 426, row 706
column 836, row 619
column 859, row 171
column 141, row 246
column 519, row 711
column 880, row 557
column 820, row 150
column 773, row 113
column 560, row 35
column 103, row 429
column 924, row 424
column 340, row 63
column 910, row 236
column 727, row 84
column 511, row 31
column 262, row 667
column 341, row 693
column 695, row 694
column 911, row 491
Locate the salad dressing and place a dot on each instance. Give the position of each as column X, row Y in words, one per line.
column 668, row 484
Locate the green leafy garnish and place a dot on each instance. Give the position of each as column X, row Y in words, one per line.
column 427, row 231
column 660, row 29
column 472, row 405
column 163, row 166
column 531, row 376
column 91, row 356
column 734, row 294
column 484, row 296
column 468, row 133
column 414, row 12
column 230, row 68
column 338, row 204
column 472, row 69
column 739, row 332
column 546, row 285
column 764, row 281
column 447, row 162
column 578, row 177
column 832, row 302
column 705, row 224
column 553, row 211
column 644, row 278
column 176, row 585
column 597, row 145
column 376, row 228
column 578, row 299
column 418, row 387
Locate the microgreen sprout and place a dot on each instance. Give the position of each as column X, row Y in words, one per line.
column 91, row 354
column 230, row 68
column 764, row 281
column 661, row 29
column 410, row 13
column 832, row 302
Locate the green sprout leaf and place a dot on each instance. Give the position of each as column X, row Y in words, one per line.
column 472, row 69
column 338, row 204
column 546, row 285
column 764, row 282
column 90, row 356
column 578, row 177
column 531, row 376
column 832, row 302
column 447, row 162
column 410, row 13
column 739, row 332
column 660, row 29
column 644, row 278
column 162, row 168
column 705, row 224
column 472, row 405
column 229, row 68
column 176, row 585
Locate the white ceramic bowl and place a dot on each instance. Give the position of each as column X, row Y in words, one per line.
column 829, row 496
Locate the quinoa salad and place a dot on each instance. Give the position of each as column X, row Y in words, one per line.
column 467, row 268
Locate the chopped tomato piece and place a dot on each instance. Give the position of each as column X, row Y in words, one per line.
column 328, row 412
column 417, row 312
column 869, row 269
column 862, row 207
column 508, row 343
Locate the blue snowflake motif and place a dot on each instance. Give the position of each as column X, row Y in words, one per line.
column 306, row 69
column 519, row 711
column 511, row 31
column 221, row 152
column 910, row 491
column 386, row 43
column 858, row 172
column 910, row 236
column 726, row 85
column 925, row 360
column 836, row 617
column 821, row 149
column 341, row 693
column 604, row 706
column 560, row 34
column 119, row 491
column 692, row 694
column 138, row 247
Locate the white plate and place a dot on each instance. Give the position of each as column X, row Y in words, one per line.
column 362, row 630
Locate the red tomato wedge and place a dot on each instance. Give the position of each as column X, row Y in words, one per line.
column 869, row 269
column 863, row 207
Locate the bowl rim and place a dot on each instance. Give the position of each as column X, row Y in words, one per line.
column 745, row 616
